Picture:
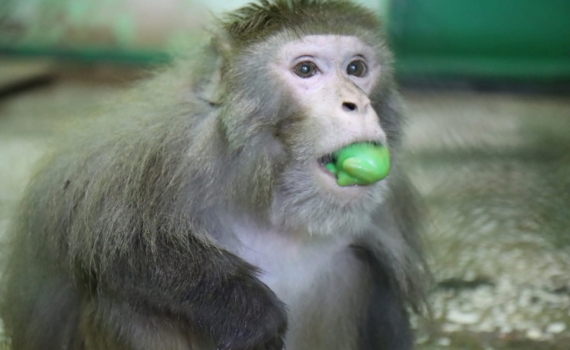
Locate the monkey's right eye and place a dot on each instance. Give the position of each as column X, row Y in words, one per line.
column 306, row 69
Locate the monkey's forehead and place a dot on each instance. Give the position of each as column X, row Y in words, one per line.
column 331, row 45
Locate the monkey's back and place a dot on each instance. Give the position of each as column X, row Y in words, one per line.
column 96, row 195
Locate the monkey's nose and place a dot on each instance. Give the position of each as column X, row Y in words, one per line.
column 356, row 105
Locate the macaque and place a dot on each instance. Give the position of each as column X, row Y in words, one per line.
column 249, row 197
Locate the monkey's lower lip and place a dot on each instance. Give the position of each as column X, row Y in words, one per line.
column 326, row 171
column 329, row 181
column 324, row 160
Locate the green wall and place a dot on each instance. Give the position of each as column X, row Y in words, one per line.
column 493, row 38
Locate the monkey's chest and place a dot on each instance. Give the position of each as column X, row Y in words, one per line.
column 318, row 278
column 293, row 267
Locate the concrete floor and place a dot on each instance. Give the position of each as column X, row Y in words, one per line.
column 494, row 171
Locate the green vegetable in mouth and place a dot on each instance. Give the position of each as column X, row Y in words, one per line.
column 360, row 164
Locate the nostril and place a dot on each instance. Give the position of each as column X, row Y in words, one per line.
column 349, row 106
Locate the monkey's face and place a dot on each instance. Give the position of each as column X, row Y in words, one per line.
column 330, row 78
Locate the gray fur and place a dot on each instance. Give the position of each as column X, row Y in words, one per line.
column 124, row 230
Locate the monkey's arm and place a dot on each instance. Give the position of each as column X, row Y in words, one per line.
column 393, row 257
column 384, row 324
column 201, row 285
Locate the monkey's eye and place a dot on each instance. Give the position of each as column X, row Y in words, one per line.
column 306, row 69
column 357, row 68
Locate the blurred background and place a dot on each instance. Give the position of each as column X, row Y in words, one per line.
column 487, row 89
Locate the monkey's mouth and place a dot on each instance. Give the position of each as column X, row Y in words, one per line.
column 358, row 164
column 326, row 168
column 329, row 159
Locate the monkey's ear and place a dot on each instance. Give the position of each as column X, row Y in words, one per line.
column 221, row 48
column 212, row 90
column 222, row 43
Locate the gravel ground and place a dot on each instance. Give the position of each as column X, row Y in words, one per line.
column 494, row 171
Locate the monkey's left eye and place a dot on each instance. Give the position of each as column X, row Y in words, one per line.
column 306, row 69
column 357, row 68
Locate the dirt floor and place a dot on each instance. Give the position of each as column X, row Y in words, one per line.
column 493, row 169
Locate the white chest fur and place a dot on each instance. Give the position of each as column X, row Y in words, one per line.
column 318, row 278
column 290, row 264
